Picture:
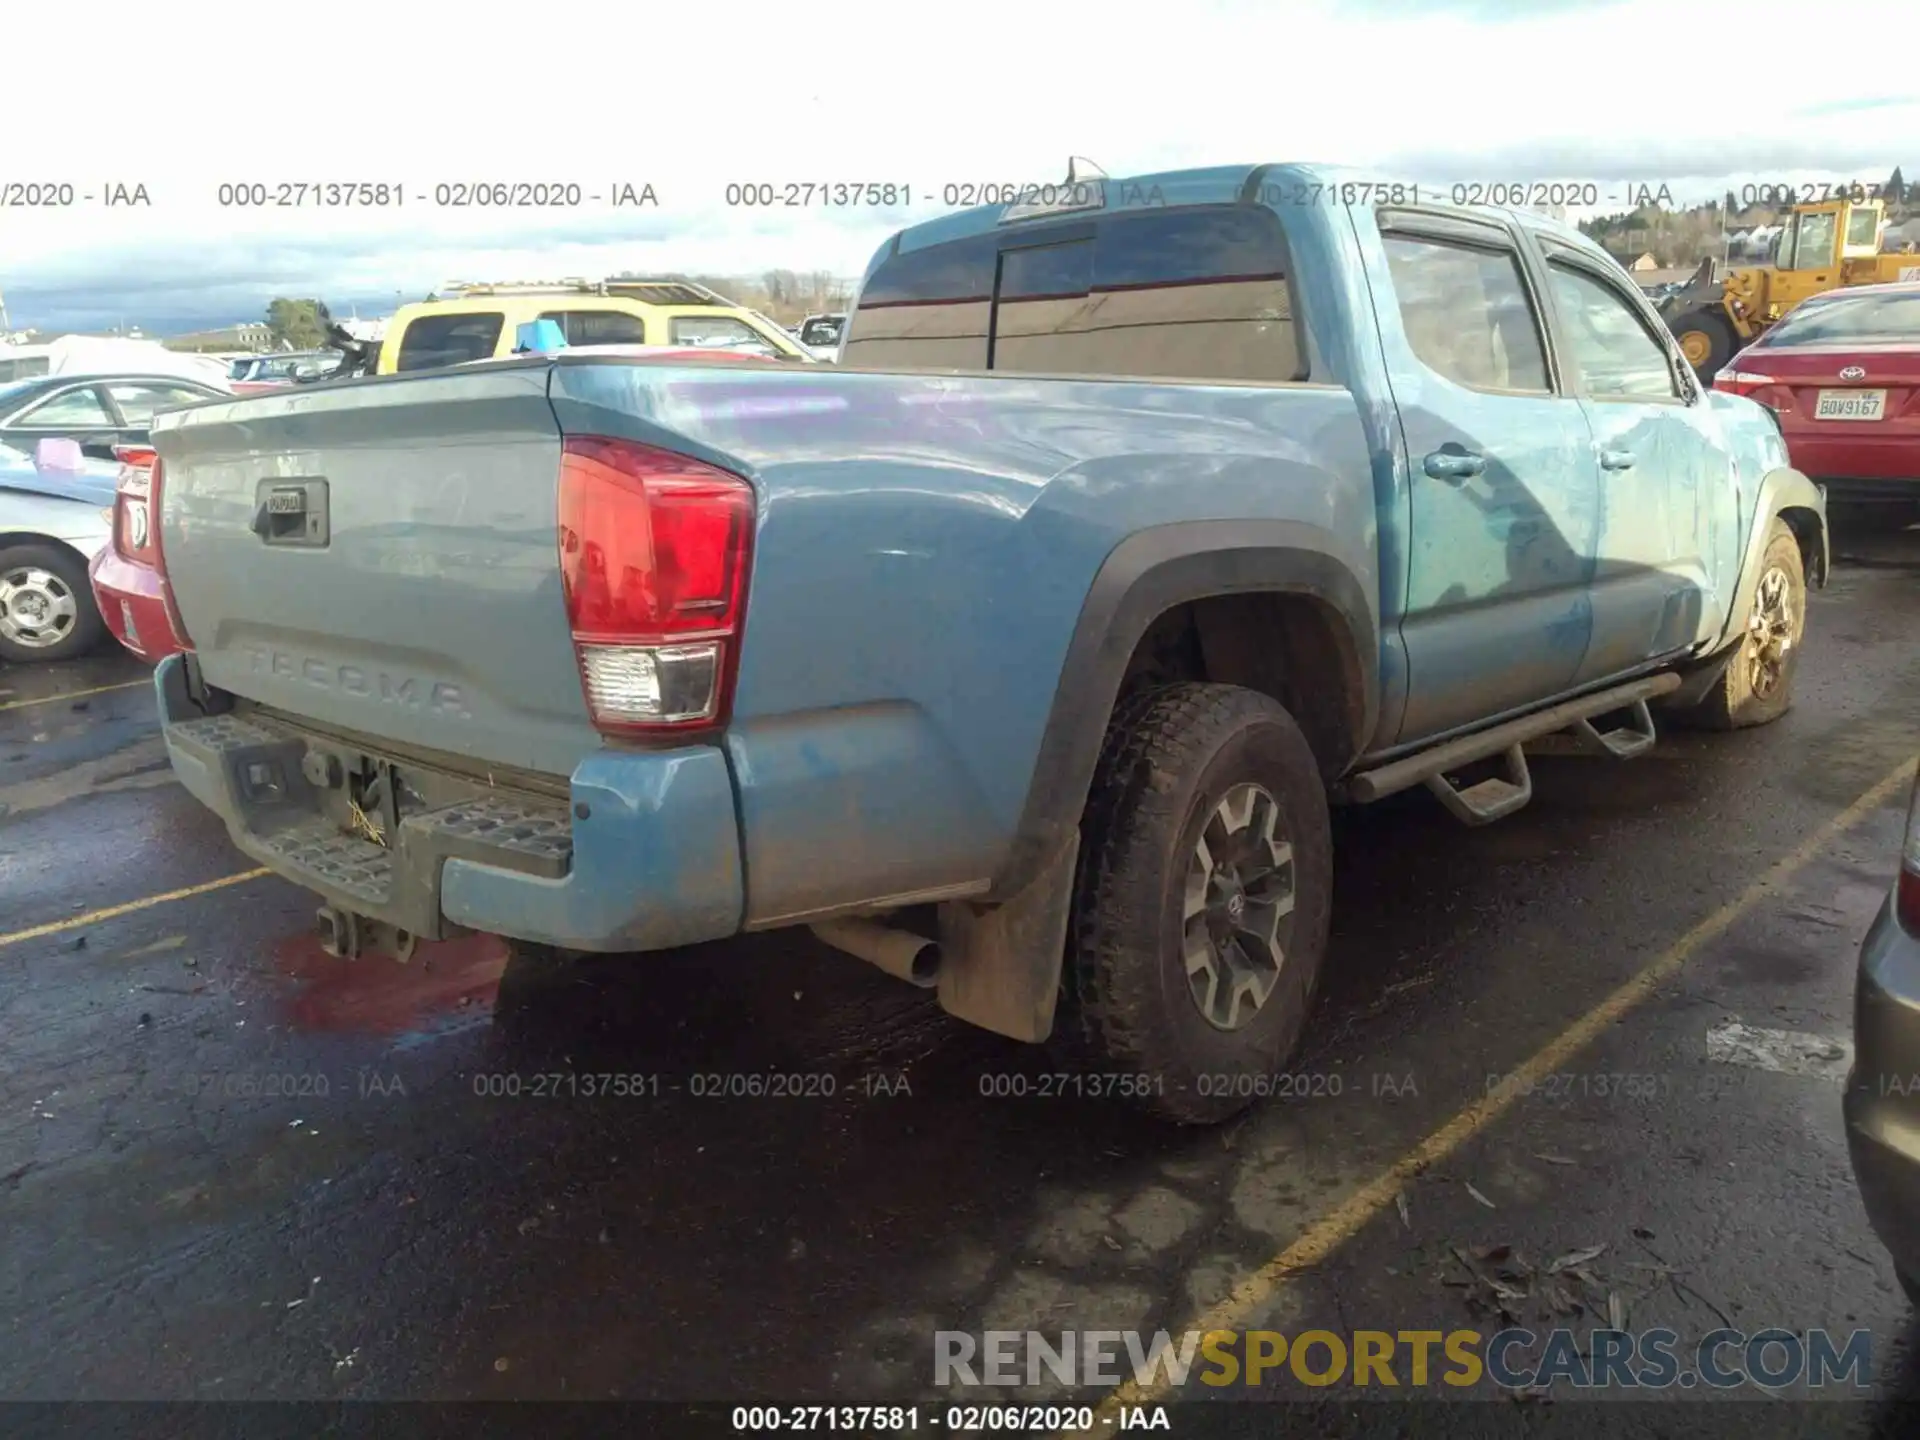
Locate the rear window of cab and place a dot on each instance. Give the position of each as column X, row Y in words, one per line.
column 1193, row 292
column 431, row 341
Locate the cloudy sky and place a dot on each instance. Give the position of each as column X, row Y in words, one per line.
column 691, row 99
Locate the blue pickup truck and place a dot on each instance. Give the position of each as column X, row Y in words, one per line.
column 1022, row 652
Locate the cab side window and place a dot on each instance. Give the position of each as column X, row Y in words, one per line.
column 599, row 327
column 1618, row 355
column 1466, row 313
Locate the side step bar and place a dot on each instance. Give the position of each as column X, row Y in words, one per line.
column 1498, row 797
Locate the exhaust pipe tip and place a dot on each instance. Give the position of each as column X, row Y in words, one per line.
column 901, row 954
column 924, row 969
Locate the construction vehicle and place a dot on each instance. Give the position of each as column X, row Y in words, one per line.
column 1825, row 245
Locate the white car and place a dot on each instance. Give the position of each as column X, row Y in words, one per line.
column 821, row 334
column 56, row 514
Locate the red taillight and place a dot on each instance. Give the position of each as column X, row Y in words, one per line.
column 1906, row 895
column 154, row 485
column 139, row 455
column 654, row 554
column 1751, row 384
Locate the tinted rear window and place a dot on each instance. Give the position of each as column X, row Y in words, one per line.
column 1852, row 320
column 1192, row 293
column 434, row 340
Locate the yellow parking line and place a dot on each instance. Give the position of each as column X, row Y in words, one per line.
column 76, row 694
column 114, row 912
column 1346, row 1219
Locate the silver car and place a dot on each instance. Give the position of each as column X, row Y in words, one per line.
column 56, row 514
column 1883, row 1092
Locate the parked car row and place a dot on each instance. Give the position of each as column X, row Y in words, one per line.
column 98, row 411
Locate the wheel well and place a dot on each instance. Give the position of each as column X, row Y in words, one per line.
column 1805, row 525
column 1290, row 646
column 11, row 538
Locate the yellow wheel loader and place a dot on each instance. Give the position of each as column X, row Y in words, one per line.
column 1825, row 245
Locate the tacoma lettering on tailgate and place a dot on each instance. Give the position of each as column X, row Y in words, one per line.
column 406, row 691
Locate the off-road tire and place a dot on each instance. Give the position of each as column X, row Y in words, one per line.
column 1733, row 703
column 1171, row 756
column 88, row 629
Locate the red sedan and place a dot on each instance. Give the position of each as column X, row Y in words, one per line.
column 1842, row 371
column 125, row 582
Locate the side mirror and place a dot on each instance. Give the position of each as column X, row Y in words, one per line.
column 59, row 455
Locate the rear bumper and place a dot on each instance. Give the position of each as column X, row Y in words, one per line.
column 1883, row 1092
column 131, row 604
column 1842, row 462
column 1867, row 488
column 643, row 855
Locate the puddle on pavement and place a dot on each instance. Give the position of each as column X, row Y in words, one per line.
column 446, row 985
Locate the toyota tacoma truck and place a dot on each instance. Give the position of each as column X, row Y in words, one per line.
column 1020, row 654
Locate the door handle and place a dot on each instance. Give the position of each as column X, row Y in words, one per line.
column 1453, row 465
column 1616, row 459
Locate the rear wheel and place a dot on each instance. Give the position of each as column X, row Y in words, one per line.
column 1756, row 688
column 1911, row 1285
column 1201, row 906
column 1706, row 339
column 47, row 609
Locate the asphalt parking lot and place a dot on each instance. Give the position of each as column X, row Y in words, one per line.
column 232, row 1167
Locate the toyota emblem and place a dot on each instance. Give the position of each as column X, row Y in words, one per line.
column 1853, row 372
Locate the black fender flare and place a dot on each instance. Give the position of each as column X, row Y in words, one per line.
column 1146, row 575
column 1784, row 493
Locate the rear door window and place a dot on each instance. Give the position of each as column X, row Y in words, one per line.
column 1466, row 314
column 431, row 341
column 599, row 327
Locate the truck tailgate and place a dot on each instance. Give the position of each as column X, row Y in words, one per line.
column 382, row 558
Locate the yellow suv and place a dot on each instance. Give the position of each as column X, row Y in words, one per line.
column 480, row 322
